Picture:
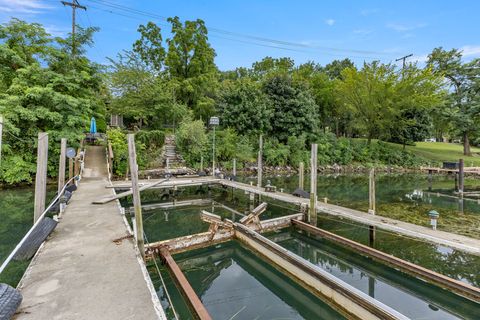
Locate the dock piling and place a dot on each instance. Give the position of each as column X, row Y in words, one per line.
column 371, row 205
column 371, row 192
column 301, row 175
column 234, row 167
column 136, row 194
column 312, row 217
column 61, row 165
column 461, row 180
column 1, row 132
column 41, row 175
column 259, row 163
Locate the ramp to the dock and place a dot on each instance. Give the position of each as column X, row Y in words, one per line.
column 80, row 272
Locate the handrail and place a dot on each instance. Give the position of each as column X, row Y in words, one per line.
column 19, row 245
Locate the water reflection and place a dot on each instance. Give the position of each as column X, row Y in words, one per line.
column 233, row 282
column 408, row 295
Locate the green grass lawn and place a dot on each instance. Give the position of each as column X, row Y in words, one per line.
column 441, row 151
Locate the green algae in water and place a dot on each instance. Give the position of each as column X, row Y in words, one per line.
column 232, row 281
column 444, row 260
column 405, row 197
column 406, row 294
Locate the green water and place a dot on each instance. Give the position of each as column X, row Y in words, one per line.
column 234, row 283
column 406, row 197
column 453, row 263
column 402, row 292
column 16, row 216
column 406, row 294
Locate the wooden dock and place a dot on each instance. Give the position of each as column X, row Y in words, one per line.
column 81, row 272
column 452, row 240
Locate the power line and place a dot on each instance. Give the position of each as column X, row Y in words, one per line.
column 239, row 35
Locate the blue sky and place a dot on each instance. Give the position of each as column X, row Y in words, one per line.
column 303, row 30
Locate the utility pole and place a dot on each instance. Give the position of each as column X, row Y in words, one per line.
column 75, row 5
column 404, row 58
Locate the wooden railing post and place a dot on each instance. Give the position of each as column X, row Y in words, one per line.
column 312, row 217
column 132, row 155
column 41, row 175
column 61, row 165
column 234, row 167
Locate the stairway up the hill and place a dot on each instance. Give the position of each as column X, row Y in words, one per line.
column 175, row 160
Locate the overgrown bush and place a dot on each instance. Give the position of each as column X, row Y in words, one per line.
column 118, row 140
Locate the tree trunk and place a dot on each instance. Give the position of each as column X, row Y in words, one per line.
column 466, row 145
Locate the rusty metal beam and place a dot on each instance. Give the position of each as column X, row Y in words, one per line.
column 186, row 289
column 459, row 287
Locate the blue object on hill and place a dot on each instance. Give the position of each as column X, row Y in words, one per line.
column 93, row 126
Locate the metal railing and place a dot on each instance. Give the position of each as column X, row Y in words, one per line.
column 52, row 203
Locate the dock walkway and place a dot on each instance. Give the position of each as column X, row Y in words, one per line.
column 80, row 272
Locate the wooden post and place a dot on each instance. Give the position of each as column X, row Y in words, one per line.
column 201, row 163
column 70, row 169
column 41, row 175
column 1, row 132
column 259, row 163
column 234, row 167
column 301, row 175
column 312, row 217
column 371, row 205
column 461, row 180
column 132, row 155
column 371, row 192
column 61, row 165
column 430, row 179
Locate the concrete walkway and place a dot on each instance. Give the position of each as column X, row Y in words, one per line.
column 80, row 273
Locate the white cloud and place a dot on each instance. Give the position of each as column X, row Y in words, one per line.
column 23, row 6
column 404, row 28
column 470, row 51
column 363, row 32
column 330, row 22
column 56, row 31
column 367, row 12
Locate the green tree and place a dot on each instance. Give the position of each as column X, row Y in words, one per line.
column 191, row 67
column 463, row 81
column 367, row 93
column 244, row 107
column 295, row 111
column 335, row 68
column 149, row 46
column 50, row 92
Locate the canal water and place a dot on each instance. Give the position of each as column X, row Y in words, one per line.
column 410, row 296
column 234, row 283
column 405, row 197
column 402, row 292
column 16, row 216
